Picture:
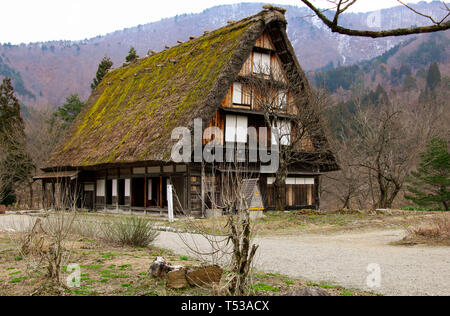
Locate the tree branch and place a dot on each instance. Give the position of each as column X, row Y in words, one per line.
column 335, row 28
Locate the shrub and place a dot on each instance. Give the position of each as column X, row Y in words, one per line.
column 437, row 229
column 131, row 231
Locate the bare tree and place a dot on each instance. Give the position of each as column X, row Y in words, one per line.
column 46, row 241
column 348, row 185
column 341, row 6
column 293, row 111
column 228, row 240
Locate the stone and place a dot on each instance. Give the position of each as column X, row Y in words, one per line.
column 177, row 279
column 160, row 268
column 309, row 291
column 205, row 276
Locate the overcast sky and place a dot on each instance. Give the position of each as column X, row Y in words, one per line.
column 24, row 21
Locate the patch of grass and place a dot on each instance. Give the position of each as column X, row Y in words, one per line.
column 18, row 258
column 264, row 287
column 126, row 285
column 124, row 267
column 108, row 255
column 423, row 209
column 184, row 258
column 15, row 273
column 289, row 282
column 347, row 293
column 104, row 280
column 92, row 267
column 328, row 286
column 17, row 280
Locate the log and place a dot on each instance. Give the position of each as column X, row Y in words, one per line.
column 204, row 276
column 177, row 279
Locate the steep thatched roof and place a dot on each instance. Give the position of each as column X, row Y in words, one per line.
column 130, row 116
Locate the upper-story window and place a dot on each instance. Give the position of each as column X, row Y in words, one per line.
column 237, row 93
column 261, row 63
column 282, row 100
column 284, row 129
column 236, row 129
column 241, row 95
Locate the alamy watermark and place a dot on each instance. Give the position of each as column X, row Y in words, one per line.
column 374, row 19
column 374, row 278
column 242, row 145
column 73, row 280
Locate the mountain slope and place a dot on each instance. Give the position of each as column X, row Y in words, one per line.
column 50, row 71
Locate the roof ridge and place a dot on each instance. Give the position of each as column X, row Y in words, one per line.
column 262, row 15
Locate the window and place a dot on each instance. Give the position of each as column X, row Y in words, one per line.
column 282, row 100
column 127, row 187
column 241, row 94
column 284, row 133
column 101, row 188
column 261, row 63
column 236, row 129
column 237, row 93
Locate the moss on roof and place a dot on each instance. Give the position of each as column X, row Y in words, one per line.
column 131, row 115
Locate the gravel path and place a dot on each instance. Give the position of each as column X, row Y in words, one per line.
column 344, row 259
column 337, row 259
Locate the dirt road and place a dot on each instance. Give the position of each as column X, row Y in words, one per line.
column 337, row 259
column 344, row 259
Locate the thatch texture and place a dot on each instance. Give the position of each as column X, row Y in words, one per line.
column 132, row 113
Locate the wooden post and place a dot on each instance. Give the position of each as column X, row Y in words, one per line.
column 170, row 202
column 203, row 189
column 161, row 203
column 145, row 194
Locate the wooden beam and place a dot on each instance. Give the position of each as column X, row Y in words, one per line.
column 161, row 203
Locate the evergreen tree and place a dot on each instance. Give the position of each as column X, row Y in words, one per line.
column 132, row 55
column 70, row 110
column 16, row 165
column 433, row 76
column 429, row 185
column 103, row 68
column 410, row 83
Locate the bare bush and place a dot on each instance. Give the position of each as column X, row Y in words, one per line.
column 45, row 242
column 129, row 231
column 437, row 228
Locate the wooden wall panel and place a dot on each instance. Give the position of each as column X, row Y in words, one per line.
column 247, row 68
column 228, row 100
column 265, row 41
column 217, row 121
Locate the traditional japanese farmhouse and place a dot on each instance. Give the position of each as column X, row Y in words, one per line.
column 117, row 154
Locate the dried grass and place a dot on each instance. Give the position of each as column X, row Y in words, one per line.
column 437, row 228
column 435, row 231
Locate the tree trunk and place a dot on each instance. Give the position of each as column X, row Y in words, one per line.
column 280, row 195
